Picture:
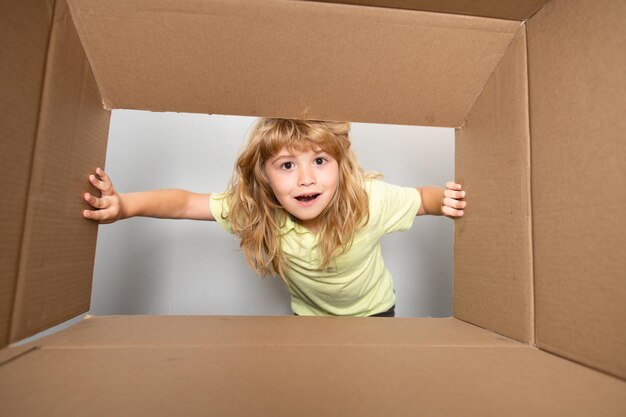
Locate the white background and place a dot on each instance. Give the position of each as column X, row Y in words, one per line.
column 154, row 266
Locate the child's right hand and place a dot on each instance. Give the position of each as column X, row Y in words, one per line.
column 109, row 205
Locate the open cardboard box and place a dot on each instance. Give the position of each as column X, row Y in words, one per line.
column 535, row 89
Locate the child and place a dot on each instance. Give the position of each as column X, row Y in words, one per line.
column 304, row 210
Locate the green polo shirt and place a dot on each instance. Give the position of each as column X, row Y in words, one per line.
column 357, row 283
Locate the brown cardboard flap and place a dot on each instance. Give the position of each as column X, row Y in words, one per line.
column 120, row 331
column 58, row 248
column 23, row 45
column 290, row 59
column 578, row 118
column 500, row 9
column 15, row 352
column 317, row 380
column 492, row 242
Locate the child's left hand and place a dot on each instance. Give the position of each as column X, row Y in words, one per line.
column 452, row 204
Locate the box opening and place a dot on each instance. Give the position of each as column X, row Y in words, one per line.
column 530, row 108
column 154, row 266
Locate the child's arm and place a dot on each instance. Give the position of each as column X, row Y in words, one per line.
column 438, row 201
column 112, row 206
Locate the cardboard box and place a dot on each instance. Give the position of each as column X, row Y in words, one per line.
column 535, row 90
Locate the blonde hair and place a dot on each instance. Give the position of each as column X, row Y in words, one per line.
column 255, row 213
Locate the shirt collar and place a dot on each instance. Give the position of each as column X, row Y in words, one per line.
column 291, row 224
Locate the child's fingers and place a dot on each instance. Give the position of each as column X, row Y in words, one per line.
column 103, row 175
column 450, row 212
column 453, row 203
column 96, row 215
column 99, row 203
column 105, row 207
column 100, row 185
column 454, row 194
column 102, row 182
column 105, row 215
column 451, row 185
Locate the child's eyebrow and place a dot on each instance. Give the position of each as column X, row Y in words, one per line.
column 286, row 155
column 281, row 156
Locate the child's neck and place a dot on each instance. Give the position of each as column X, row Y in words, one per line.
column 312, row 226
column 313, row 229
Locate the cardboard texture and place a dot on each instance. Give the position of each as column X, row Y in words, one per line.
column 539, row 287
column 7, row 355
column 146, row 331
column 287, row 51
column 306, row 381
column 577, row 61
column 493, row 280
column 500, row 9
column 56, row 259
column 262, row 366
column 25, row 29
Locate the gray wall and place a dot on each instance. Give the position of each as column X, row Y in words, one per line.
column 152, row 266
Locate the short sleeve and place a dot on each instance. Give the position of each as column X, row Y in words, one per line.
column 393, row 207
column 219, row 208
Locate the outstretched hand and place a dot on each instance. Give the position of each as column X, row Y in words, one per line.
column 109, row 205
column 453, row 204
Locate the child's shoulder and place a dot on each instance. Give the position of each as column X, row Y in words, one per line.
column 392, row 207
column 372, row 182
column 377, row 185
column 382, row 192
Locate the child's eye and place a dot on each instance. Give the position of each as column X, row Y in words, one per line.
column 319, row 161
column 287, row 165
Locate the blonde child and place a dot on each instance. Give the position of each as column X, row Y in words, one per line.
column 304, row 210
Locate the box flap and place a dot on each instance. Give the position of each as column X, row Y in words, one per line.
column 58, row 246
column 493, row 283
column 306, row 381
column 9, row 354
column 116, row 331
column 578, row 119
column 290, row 59
column 500, row 9
column 303, row 373
column 23, row 48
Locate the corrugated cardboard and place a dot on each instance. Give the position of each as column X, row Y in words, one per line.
column 493, row 281
column 578, row 119
column 185, row 331
column 7, row 355
column 23, row 45
column 500, row 9
column 306, row 381
column 290, row 59
column 57, row 252
column 284, row 366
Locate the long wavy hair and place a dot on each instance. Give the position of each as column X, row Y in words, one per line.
column 255, row 213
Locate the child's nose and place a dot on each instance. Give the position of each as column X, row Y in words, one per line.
column 306, row 177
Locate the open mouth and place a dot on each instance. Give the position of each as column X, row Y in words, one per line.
column 307, row 197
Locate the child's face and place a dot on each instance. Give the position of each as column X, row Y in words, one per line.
column 304, row 183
